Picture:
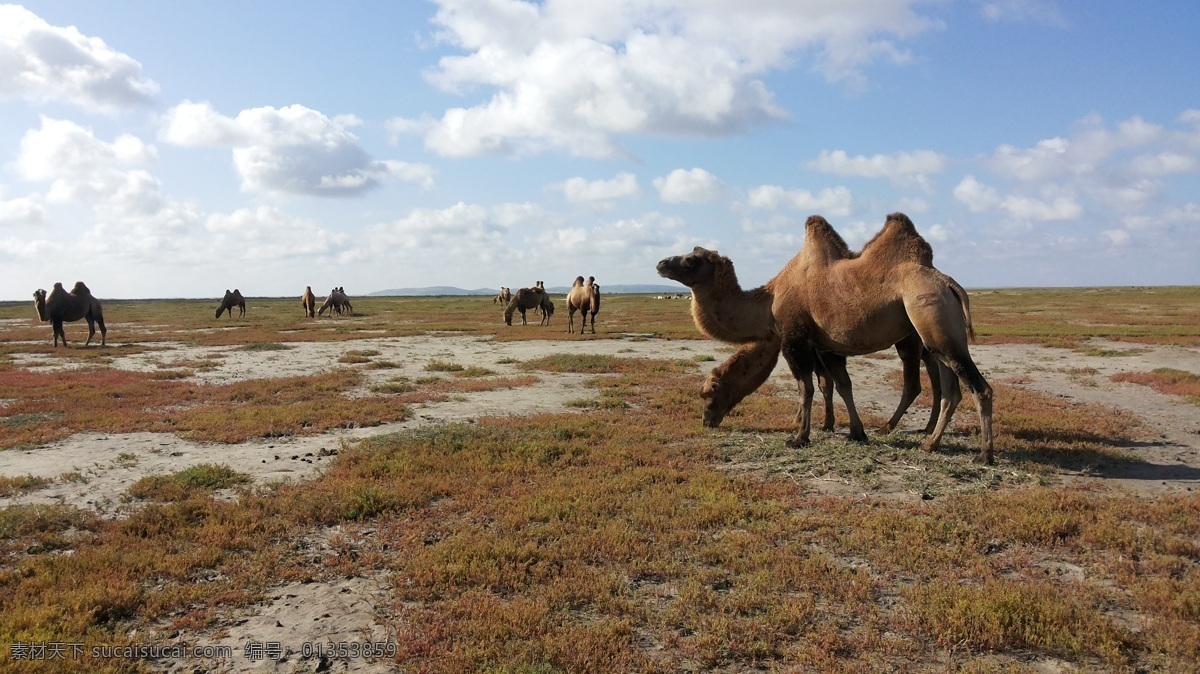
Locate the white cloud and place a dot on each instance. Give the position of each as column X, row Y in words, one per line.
column 905, row 168
column 689, row 186
column 266, row 233
column 1165, row 163
column 645, row 238
column 571, row 74
column 459, row 237
column 1043, row 11
column 22, row 211
column 1117, row 237
column 292, row 149
column 832, row 201
column 51, row 63
column 983, row 198
column 600, row 193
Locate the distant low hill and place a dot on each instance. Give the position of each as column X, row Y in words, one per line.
column 429, row 291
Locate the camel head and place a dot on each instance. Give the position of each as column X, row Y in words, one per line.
column 39, row 303
column 701, row 266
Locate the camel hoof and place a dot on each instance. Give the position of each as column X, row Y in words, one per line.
column 984, row 459
column 930, row 446
column 797, row 443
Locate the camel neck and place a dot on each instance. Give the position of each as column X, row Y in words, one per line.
column 730, row 314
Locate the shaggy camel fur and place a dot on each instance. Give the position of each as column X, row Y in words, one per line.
column 337, row 301
column 524, row 300
column 62, row 306
column 822, row 307
column 309, row 301
column 584, row 298
column 231, row 300
column 504, row 297
column 749, row 367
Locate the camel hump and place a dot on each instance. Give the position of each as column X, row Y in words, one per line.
column 58, row 285
column 80, row 288
column 899, row 241
column 578, row 281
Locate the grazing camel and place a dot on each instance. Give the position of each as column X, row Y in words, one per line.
column 584, row 298
column 309, row 301
column 524, row 300
column 504, row 297
column 750, row 366
column 823, row 307
column 231, row 300
column 337, row 301
column 62, row 306
column 547, row 309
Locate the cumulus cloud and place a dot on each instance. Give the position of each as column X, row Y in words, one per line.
column 600, row 193
column 689, row 186
column 1116, row 237
column 831, row 201
column 267, row 233
column 572, row 74
column 904, row 168
column 983, row 198
column 22, row 211
column 1042, row 11
column 51, row 63
column 293, row 149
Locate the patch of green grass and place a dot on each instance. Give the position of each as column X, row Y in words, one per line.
column 474, row 371
column 443, row 366
column 21, row 484
column 265, row 346
column 187, row 483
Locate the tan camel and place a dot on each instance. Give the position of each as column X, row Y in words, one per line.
column 823, row 307
column 504, row 297
column 62, row 306
column 309, row 301
column 337, row 301
column 583, row 297
column 231, row 300
column 524, row 300
column 743, row 372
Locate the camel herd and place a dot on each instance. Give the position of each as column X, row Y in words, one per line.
column 829, row 303
column 584, row 297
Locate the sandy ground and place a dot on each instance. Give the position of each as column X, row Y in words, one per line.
column 349, row 610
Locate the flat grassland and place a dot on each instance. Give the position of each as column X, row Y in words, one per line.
column 458, row 495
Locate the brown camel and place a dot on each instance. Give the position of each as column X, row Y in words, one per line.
column 524, row 300
column 504, row 297
column 231, row 300
column 62, row 306
column 823, row 307
column 743, row 372
column 547, row 309
column 309, row 301
column 583, row 297
column 337, row 301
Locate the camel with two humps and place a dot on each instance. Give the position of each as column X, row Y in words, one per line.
column 309, row 301
column 525, row 299
column 337, row 301
column 583, row 297
column 823, row 307
column 231, row 300
column 66, row 307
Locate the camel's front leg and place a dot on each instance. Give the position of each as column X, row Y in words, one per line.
column 799, row 358
column 58, row 331
column 835, row 366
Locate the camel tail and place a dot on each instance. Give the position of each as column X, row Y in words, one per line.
column 961, row 294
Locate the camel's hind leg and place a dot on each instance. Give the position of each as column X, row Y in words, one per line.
column 912, row 352
column 91, row 329
column 825, row 385
column 103, row 331
column 963, row 369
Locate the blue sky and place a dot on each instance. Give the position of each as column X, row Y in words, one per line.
column 159, row 149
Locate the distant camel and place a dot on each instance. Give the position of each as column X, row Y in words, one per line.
column 547, row 309
column 62, row 306
column 337, row 301
column 504, row 297
column 584, row 298
column 309, row 301
column 824, row 306
column 231, row 300
column 524, row 300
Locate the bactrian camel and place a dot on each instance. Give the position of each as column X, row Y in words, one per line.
column 525, row 299
column 337, row 301
column 62, row 306
column 504, row 296
column 231, row 300
column 583, row 297
column 750, row 366
column 309, row 301
column 825, row 307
